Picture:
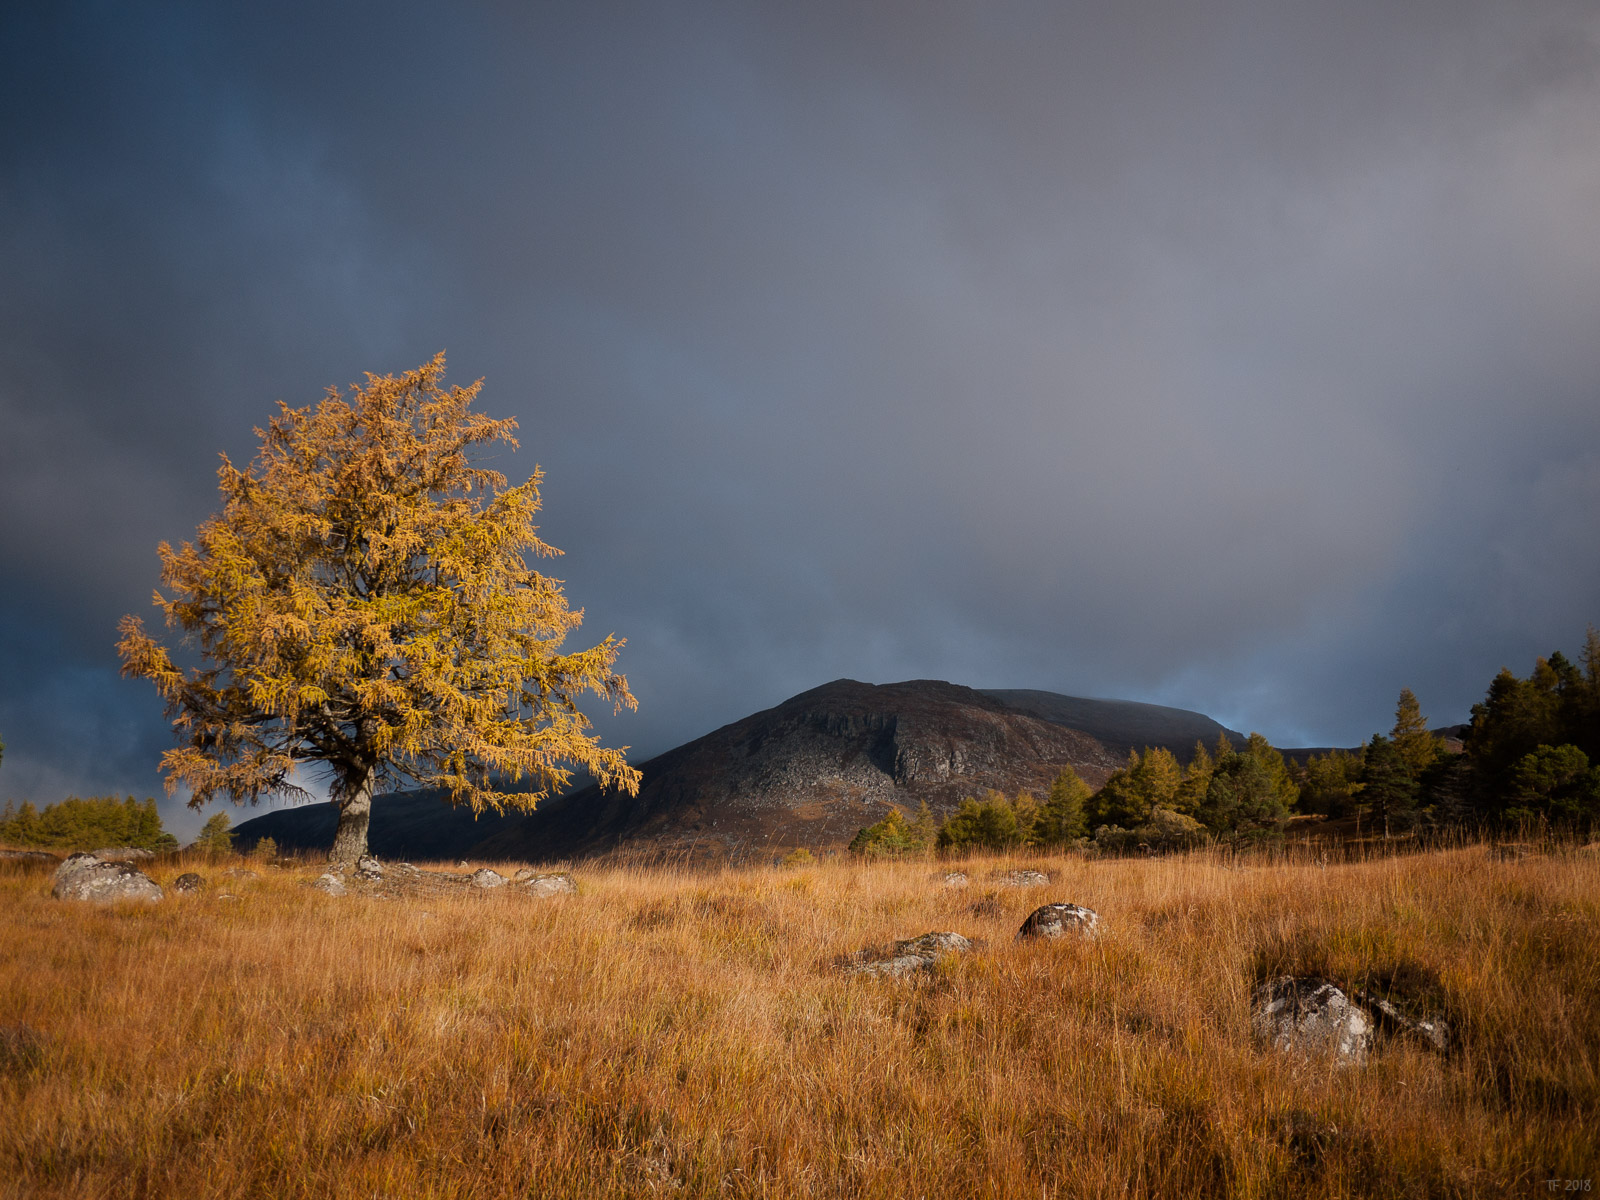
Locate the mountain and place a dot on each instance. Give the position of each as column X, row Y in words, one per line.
column 1122, row 725
column 811, row 772
column 405, row 825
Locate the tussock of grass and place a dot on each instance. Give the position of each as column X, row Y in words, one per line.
column 670, row 1033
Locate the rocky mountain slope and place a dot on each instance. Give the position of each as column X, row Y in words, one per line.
column 811, row 772
column 1122, row 725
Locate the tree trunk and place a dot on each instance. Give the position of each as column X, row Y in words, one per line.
column 355, row 809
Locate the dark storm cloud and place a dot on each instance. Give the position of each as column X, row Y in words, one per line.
column 1240, row 356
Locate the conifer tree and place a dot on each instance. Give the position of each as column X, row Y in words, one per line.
column 1196, row 779
column 363, row 605
column 1417, row 747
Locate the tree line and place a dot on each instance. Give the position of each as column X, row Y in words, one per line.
column 1530, row 760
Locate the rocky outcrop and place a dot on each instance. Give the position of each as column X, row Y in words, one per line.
column 87, row 877
column 1310, row 1017
column 188, row 882
column 955, row 879
column 330, row 883
column 1021, row 879
column 483, row 877
column 542, row 885
column 911, row 956
column 1060, row 920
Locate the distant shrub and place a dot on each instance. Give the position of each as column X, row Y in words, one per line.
column 266, row 849
column 798, row 857
column 1166, row 832
column 895, row 836
column 89, row 824
column 993, row 823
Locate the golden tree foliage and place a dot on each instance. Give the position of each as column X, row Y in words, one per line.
column 364, row 602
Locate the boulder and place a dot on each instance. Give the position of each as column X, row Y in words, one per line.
column 1059, row 920
column 544, row 886
column 123, row 854
column 483, row 877
column 330, row 883
column 1311, row 1017
column 188, row 882
column 369, row 869
column 1022, row 879
column 86, row 877
column 913, row 955
column 27, row 856
column 1431, row 1032
column 955, row 879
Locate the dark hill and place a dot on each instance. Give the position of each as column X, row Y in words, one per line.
column 405, row 825
column 1121, row 725
column 811, row 772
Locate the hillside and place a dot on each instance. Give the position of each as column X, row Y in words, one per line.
column 1121, row 725
column 811, row 772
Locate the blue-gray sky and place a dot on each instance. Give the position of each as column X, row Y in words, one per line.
column 1241, row 356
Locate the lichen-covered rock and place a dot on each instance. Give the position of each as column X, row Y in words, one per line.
column 1059, row 920
column 557, row 883
column 330, row 883
column 483, row 877
column 123, row 854
column 913, row 955
column 369, row 869
column 1310, row 1017
column 955, row 879
column 1432, row 1032
column 239, row 873
column 1022, row 879
column 188, row 882
column 86, row 877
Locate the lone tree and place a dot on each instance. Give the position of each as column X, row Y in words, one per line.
column 363, row 604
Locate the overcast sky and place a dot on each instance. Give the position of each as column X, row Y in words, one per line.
column 1238, row 356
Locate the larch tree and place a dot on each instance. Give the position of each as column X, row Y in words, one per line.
column 1417, row 746
column 364, row 605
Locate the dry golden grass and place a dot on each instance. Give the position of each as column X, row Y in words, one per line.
column 669, row 1033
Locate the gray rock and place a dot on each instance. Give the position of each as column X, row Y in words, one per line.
column 544, row 886
column 330, row 883
column 1022, row 879
column 483, row 877
column 1059, row 920
column 239, row 873
column 188, row 882
column 369, row 869
column 913, row 955
column 1310, row 1017
column 1433, row 1032
column 123, row 854
column 27, row 856
column 955, row 879
column 86, row 877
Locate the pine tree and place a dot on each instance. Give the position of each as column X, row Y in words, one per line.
column 1062, row 819
column 1389, row 790
column 1418, row 747
column 364, row 606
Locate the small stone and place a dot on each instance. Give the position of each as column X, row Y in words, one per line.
column 227, row 896
column 1058, row 920
column 86, row 877
column 955, row 879
column 1022, row 879
column 913, row 955
column 1433, row 1032
column 1310, row 1017
column 239, row 873
column 543, row 886
column 483, row 877
column 188, row 882
column 330, row 883
column 369, row 868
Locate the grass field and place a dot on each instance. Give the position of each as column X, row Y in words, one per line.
column 688, row 1034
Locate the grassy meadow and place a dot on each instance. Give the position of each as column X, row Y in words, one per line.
column 678, row 1033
